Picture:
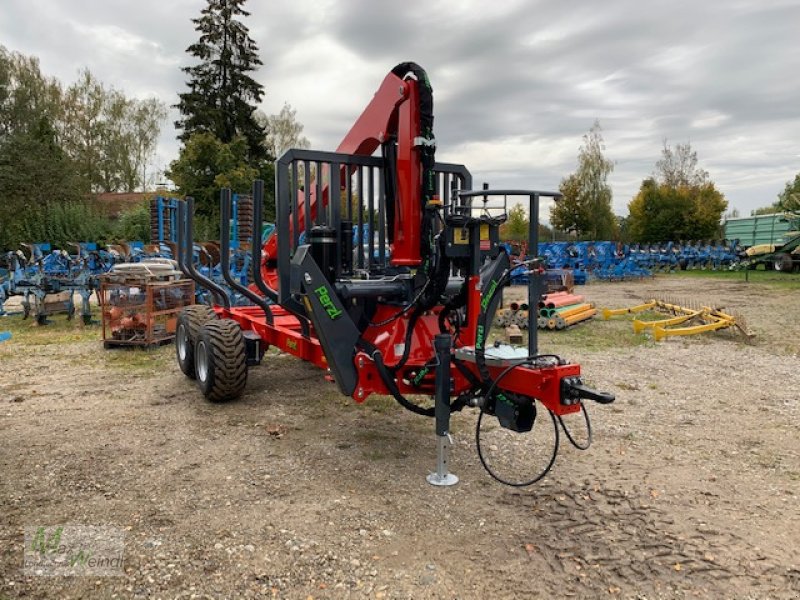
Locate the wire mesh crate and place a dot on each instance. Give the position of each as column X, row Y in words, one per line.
column 142, row 312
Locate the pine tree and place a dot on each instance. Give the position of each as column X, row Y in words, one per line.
column 222, row 95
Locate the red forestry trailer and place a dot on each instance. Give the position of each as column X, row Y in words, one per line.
column 385, row 269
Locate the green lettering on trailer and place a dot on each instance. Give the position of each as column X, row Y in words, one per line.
column 489, row 293
column 327, row 303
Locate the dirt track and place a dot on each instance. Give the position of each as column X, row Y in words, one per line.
column 690, row 490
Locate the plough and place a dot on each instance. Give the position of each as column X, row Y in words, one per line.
column 617, row 262
column 207, row 256
column 48, row 279
column 400, row 308
column 706, row 318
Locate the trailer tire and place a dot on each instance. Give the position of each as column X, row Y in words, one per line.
column 221, row 360
column 783, row 263
column 190, row 321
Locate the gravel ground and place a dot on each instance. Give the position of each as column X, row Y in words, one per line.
column 689, row 491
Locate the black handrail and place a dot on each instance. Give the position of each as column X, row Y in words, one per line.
column 258, row 220
column 258, row 217
column 534, row 278
column 187, row 220
column 225, row 200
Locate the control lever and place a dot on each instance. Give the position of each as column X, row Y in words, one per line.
column 573, row 391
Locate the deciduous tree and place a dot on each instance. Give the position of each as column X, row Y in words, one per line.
column 678, row 167
column 679, row 202
column 207, row 164
column 585, row 207
column 284, row 131
column 788, row 199
column 111, row 137
column 516, row 225
column 57, row 146
column 660, row 212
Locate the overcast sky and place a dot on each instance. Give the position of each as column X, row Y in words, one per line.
column 516, row 83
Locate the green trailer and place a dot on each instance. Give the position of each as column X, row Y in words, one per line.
column 763, row 229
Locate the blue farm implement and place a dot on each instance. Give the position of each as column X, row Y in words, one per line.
column 47, row 280
column 206, row 255
column 617, row 262
column 399, row 308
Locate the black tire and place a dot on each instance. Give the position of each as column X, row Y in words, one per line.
column 190, row 321
column 221, row 360
column 783, row 262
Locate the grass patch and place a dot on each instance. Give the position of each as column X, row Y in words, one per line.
column 758, row 277
column 25, row 332
column 648, row 315
column 594, row 334
column 599, row 335
column 61, row 332
column 382, row 404
column 138, row 359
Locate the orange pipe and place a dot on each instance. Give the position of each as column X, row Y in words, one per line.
column 547, row 297
column 564, row 301
column 563, row 322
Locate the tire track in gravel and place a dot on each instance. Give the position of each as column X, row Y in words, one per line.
column 614, row 540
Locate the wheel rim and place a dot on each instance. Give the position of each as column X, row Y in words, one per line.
column 202, row 361
column 182, row 341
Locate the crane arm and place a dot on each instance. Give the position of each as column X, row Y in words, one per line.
column 399, row 118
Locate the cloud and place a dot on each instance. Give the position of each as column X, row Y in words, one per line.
column 516, row 84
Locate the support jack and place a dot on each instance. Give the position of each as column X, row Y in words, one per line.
column 442, row 477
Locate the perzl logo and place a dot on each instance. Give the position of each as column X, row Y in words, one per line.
column 489, row 293
column 325, row 299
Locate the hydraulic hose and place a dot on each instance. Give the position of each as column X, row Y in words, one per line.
column 531, row 481
column 494, row 383
column 388, row 381
column 572, row 440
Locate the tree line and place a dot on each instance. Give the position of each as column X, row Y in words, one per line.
column 59, row 145
column 227, row 141
column 678, row 201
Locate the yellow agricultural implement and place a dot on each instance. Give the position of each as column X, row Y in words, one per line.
column 694, row 320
